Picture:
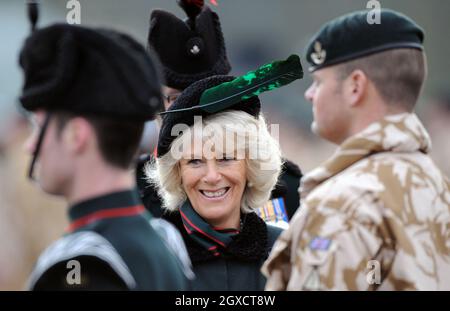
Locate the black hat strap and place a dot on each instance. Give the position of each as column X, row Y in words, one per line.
column 38, row 146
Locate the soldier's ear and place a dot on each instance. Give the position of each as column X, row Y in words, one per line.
column 78, row 135
column 355, row 88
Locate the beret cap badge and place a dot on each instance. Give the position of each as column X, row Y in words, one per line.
column 319, row 55
column 195, row 47
column 195, row 50
column 350, row 37
column 189, row 49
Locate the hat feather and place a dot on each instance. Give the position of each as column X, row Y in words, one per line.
column 266, row 78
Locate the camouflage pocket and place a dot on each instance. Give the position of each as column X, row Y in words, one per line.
column 316, row 262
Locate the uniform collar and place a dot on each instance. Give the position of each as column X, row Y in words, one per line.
column 112, row 205
column 400, row 133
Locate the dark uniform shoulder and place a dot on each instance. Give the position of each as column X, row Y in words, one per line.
column 174, row 241
column 287, row 187
column 291, row 168
column 141, row 179
column 81, row 261
column 273, row 232
column 80, row 273
column 155, row 258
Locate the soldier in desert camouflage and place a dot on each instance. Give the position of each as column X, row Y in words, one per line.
column 376, row 215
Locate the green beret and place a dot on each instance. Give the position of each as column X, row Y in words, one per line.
column 351, row 36
column 87, row 71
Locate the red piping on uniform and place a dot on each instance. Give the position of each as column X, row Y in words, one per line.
column 187, row 229
column 103, row 214
column 199, row 230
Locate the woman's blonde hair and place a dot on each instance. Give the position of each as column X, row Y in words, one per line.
column 251, row 139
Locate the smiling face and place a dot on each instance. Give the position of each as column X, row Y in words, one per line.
column 215, row 188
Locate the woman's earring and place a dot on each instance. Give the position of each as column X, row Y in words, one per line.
column 249, row 184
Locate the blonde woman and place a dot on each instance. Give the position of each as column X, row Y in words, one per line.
column 212, row 175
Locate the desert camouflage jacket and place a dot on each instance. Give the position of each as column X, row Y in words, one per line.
column 375, row 216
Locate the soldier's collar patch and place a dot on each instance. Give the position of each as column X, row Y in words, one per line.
column 319, row 55
column 320, row 244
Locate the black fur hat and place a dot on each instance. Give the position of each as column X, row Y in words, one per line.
column 191, row 97
column 189, row 50
column 89, row 72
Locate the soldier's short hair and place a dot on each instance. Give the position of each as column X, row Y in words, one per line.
column 397, row 74
column 118, row 140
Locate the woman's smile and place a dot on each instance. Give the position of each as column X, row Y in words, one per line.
column 215, row 188
column 215, row 195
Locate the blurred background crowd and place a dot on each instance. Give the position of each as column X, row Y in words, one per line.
column 256, row 32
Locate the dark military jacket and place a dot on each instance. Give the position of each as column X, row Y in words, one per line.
column 287, row 187
column 238, row 268
column 110, row 245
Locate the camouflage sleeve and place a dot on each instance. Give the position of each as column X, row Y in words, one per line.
column 339, row 246
column 278, row 270
column 278, row 267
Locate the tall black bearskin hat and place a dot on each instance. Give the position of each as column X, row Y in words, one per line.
column 189, row 50
column 89, row 72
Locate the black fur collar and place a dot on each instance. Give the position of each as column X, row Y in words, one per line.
column 249, row 245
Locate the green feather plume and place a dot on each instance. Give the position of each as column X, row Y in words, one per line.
column 266, row 78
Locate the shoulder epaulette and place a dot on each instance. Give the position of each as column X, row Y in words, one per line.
column 86, row 243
